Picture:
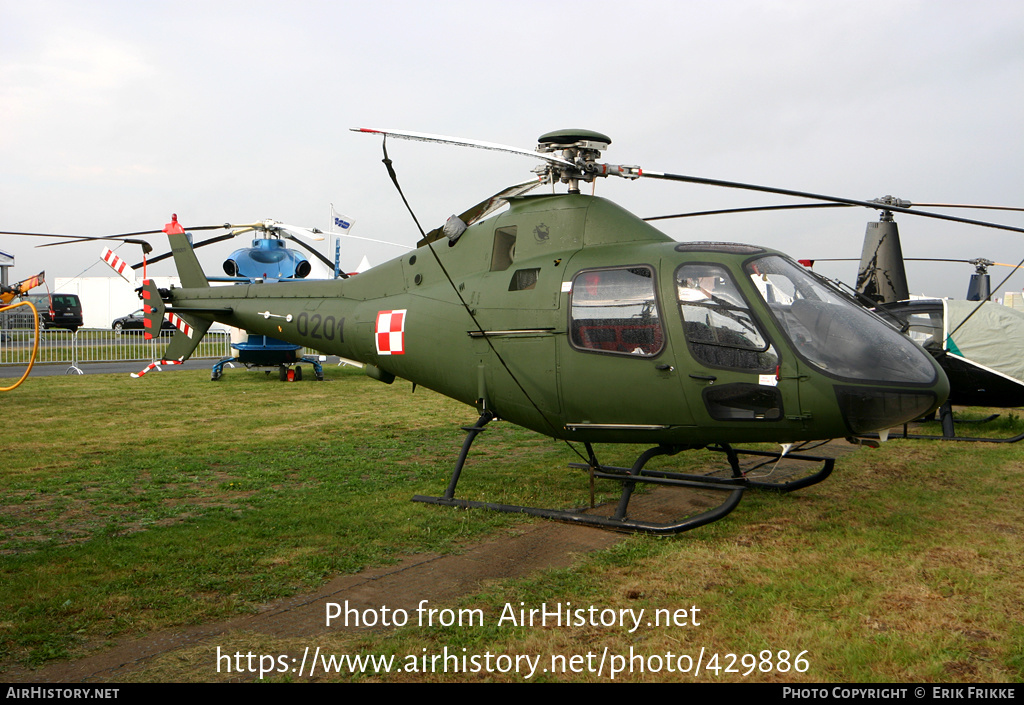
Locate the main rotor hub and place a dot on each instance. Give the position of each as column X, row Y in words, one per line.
column 981, row 265
column 885, row 201
column 582, row 148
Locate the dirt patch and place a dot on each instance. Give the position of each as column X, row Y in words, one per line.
column 440, row 579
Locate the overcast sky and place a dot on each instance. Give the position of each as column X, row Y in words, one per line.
column 113, row 115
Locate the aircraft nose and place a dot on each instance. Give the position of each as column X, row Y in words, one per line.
column 867, row 409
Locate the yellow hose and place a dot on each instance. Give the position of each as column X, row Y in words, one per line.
column 35, row 341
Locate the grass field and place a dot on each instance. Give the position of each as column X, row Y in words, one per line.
column 131, row 506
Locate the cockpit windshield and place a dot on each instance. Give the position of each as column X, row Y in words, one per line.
column 832, row 333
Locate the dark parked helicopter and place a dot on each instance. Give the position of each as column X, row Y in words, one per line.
column 572, row 317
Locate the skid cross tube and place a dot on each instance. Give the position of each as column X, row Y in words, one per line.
column 738, row 479
column 619, row 521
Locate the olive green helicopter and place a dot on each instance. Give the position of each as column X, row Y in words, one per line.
column 570, row 316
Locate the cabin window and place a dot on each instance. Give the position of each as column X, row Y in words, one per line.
column 719, row 327
column 616, row 311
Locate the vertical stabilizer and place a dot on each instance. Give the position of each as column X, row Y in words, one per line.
column 189, row 270
column 189, row 329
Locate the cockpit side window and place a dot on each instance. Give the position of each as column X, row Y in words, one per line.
column 717, row 322
column 616, row 311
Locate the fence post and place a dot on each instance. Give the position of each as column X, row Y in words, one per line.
column 74, row 355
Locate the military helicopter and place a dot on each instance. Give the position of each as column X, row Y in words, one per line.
column 570, row 316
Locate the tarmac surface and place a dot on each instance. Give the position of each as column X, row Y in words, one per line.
column 94, row 368
column 105, row 368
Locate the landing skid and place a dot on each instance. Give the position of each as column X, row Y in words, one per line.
column 949, row 431
column 734, row 486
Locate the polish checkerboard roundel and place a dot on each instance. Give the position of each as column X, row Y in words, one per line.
column 390, row 332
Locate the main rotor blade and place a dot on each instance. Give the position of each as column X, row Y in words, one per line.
column 75, row 237
column 123, row 237
column 311, row 233
column 724, row 211
column 370, row 239
column 241, row 228
column 72, row 239
column 210, row 241
column 484, row 208
column 823, row 197
column 86, row 237
column 461, row 142
column 800, row 206
column 964, row 261
column 968, row 205
column 146, row 247
column 915, row 259
column 275, row 226
column 310, row 248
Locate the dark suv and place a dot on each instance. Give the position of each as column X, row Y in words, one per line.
column 55, row 311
